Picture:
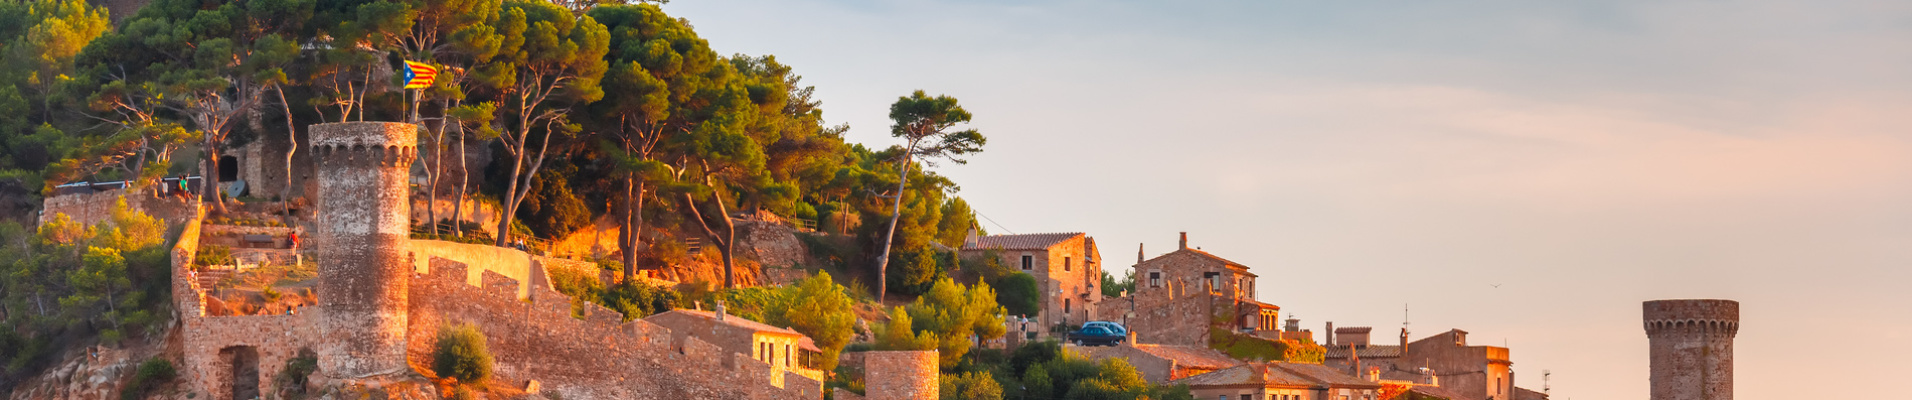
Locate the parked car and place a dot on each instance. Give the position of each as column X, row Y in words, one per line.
column 1118, row 328
column 1096, row 336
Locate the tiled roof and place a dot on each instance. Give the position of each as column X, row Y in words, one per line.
column 1443, row 393
column 1325, row 375
column 1224, row 261
column 1248, row 374
column 1353, row 329
column 739, row 322
column 1190, row 356
column 807, row 344
column 1029, row 241
column 1371, row 351
column 1525, row 394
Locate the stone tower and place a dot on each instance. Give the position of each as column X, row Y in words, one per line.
column 363, row 228
column 1692, row 348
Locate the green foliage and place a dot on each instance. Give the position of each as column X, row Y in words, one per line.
column 461, row 354
column 957, row 218
column 915, row 270
column 897, row 334
column 970, row 386
column 820, row 309
column 463, row 393
column 1115, row 288
column 153, row 372
column 69, row 284
column 638, row 299
column 957, row 316
column 297, row 370
column 1253, row 348
column 1020, row 295
column 213, row 254
column 551, row 209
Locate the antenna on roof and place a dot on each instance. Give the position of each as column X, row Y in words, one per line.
column 1546, row 382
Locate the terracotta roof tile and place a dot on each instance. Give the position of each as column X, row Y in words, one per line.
column 1325, row 375
column 1028, row 241
column 1248, row 374
column 1190, row 356
column 739, row 322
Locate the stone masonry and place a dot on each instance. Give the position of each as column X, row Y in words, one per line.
column 364, row 225
column 1692, row 348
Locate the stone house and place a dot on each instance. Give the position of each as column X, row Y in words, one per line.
column 1477, row 372
column 1160, row 363
column 1067, row 268
column 1178, row 296
column 782, row 348
column 1280, row 381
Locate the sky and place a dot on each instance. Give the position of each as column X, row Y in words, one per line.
column 1525, row 171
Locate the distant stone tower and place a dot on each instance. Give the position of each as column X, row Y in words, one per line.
column 364, row 225
column 1692, row 348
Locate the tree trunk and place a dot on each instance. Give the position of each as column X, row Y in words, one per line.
column 508, row 207
column 209, row 177
column 896, row 212
column 632, row 233
column 292, row 141
column 464, row 177
column 723, row 243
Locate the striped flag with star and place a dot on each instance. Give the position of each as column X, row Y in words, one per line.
column 418, row 75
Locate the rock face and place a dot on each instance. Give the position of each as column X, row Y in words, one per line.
column 93, row 375
column 364, row 227
column 1692, row 348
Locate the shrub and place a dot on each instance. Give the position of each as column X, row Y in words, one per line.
column 461, row 354
column 970, row 386
column 463, row 393
column 1254, row 348
column 1018, row 294
column 152, row 373
column 297, row 370
column 213, row 254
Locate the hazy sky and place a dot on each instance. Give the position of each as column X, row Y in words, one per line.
column 1585, row 156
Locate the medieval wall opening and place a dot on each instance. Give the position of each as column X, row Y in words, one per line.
column 244, row 373
column 228, row 168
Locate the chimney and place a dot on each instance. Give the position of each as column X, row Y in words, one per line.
column 1330, row 334
column 970, row 241
column 720, row 310
column 1184, row 240
column 1374, row 374
column 1138, row 254
column 1403, row 340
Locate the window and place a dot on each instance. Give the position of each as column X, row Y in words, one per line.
column 1155, row 279
column 1214, row 280
column 1067, row 263
column 1065, row 306
column 786, row 356
column 1247, row 397
column 1028, row 262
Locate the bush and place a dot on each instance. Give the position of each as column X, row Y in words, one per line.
column 213, row 254
column 970, row 386
column 152, row 373
column 461, row 354
column 912, row 272
column 297, row 370
column 1254, row 348
column 1018, row 294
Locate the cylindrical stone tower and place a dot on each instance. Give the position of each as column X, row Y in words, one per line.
column 1692, row 345
column 364, row 225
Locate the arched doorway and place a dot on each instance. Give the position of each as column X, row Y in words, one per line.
column 244, row 371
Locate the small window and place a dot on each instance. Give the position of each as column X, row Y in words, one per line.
column 1065, row 306
column 1067, row 263
column 786, row 355
column 1247, row 397
column 1028, row 262
column 1155, row 279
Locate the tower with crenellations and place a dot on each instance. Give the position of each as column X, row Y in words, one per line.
column 363, row 229
column 1692, row 348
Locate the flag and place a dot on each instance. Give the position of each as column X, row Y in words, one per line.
column 419, row 76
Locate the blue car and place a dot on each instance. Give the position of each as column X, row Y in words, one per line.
column 1096, row 336
column 1118, row 328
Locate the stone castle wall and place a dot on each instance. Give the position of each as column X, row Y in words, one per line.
column 600, row 356
column 1176, row 316
column 900, row 375
column 1691, row 345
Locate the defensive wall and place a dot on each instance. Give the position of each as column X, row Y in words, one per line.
column 896, row 375
column 91, row 208
column 1691, row 344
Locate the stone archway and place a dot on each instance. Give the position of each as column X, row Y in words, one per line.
column 242, row 372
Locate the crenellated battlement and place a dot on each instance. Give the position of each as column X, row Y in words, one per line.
column 540, row 338
column 1727, row 328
